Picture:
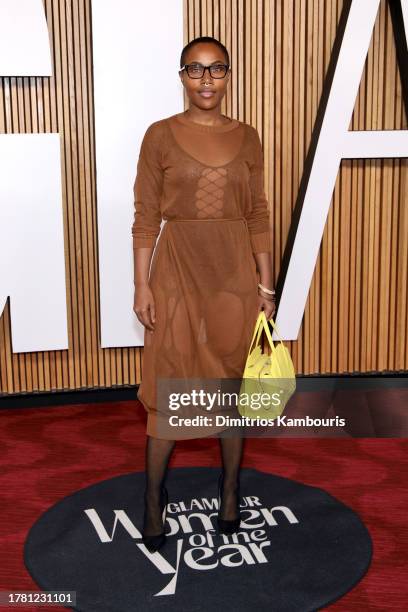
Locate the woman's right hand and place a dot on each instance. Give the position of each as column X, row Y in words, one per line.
column 144, row 306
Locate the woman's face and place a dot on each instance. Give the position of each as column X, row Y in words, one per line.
column 205, row 54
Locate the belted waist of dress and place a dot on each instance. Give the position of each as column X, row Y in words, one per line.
column 208, row 219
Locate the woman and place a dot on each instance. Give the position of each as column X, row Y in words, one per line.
column 203, row 173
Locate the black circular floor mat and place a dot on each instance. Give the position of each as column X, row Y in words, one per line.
column 298, row 548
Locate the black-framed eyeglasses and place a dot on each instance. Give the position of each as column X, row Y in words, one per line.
column 196, row 71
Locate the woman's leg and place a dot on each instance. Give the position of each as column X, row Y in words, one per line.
column 157, row 456
column 231, row 453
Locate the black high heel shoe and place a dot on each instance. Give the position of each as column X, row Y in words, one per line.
column 227, row 526
column 154, row 542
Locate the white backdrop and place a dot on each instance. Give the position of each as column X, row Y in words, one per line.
column 24, row 42
column 32, row 241
column 129, row 40
column 32, row 268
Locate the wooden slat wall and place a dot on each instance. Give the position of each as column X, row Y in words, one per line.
column 356, row 316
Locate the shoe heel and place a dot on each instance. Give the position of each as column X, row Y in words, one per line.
column 227, row 526
column 154, row 542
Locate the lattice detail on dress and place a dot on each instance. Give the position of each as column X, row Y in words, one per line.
column 210, row 193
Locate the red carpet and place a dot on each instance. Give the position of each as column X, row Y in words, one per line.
column 49, row 453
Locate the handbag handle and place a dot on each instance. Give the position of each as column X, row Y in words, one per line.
column 267, row 330
column 257, row 331
column 262, row 323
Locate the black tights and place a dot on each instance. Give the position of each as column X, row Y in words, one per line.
column 157, row 457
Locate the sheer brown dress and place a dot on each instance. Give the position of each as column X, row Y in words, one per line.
column 206, row 183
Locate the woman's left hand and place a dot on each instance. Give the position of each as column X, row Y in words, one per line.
column 267, row 305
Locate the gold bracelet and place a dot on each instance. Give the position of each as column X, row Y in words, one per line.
column 269, row 291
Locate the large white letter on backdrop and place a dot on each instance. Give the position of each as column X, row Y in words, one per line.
column 130, row 40
column 31, row 223
column 24, row 43
column 334, row 143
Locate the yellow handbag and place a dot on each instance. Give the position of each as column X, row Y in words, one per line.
column 270, row 376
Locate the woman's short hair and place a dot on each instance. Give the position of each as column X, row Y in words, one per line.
column 203, row 39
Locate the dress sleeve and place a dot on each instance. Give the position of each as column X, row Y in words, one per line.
column 258, row 218
column 148, row 189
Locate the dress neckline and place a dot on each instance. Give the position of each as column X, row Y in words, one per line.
column 199, row 127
